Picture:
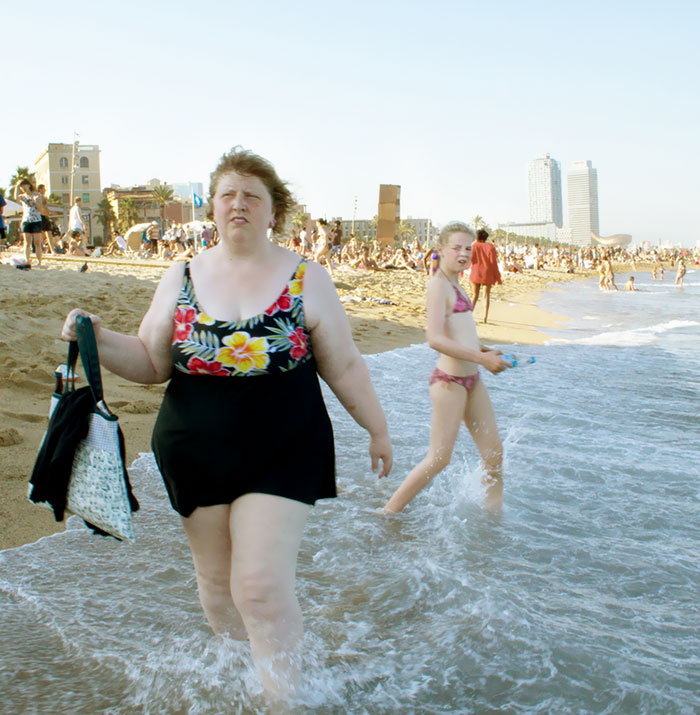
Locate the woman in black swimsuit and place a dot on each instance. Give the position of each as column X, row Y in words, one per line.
column 233, row 331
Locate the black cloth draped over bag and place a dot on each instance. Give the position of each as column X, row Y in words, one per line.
column 68, row 425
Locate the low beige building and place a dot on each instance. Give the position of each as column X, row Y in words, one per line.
column 179, row 210
column 70, row 170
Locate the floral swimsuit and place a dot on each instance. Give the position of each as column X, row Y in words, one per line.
column 274, row 340
column 216, row 440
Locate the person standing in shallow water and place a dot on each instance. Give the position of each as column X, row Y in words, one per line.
column 456, row 391
column 243, row 440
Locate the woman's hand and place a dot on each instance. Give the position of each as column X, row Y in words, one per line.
column 380, row 449
column 492, row 361
column 68, row 330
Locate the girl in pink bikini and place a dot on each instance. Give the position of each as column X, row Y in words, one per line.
column 456, row 392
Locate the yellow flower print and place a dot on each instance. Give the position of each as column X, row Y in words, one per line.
column 296, row 286
column 204, row 319
column 244, row 353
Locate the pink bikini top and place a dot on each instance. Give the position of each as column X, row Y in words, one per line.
column 462, row 303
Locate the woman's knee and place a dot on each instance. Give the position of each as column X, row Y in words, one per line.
column 214, row 589
column 261, row 594
column 438, row 459
column 492, row 453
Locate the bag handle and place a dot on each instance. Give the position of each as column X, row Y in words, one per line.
column 69, row 375
column 89, row 356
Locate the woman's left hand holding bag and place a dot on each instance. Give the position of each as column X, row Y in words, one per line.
column 68, row 330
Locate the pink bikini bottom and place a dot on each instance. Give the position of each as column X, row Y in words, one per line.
column 468, row 382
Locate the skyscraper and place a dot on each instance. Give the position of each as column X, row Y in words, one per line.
column 544, row 179
column 583, row 202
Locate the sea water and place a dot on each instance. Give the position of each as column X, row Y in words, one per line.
column 581, row 596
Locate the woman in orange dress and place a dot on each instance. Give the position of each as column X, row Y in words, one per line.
column 484, row 269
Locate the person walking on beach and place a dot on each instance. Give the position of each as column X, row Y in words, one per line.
column 31, row 226
column 43, row 207
column 483, row 270
column 323, row 246
column 456, row 391
column 243, row 439
column 76, row 226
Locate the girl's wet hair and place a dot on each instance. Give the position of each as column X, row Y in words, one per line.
column 453, row 227
column 482, row 234
column 246, row 163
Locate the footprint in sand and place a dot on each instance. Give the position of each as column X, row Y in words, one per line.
column 10, row 436
column 25, row 416
column 135, row 407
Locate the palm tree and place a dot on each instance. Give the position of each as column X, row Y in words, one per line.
column 299, row 220
column 373, row 223
column 478, row 222
column 21, row 174
column 163, row 194
column 55, row 199
column 105, row 215
column 406, row 231
column 129, row 214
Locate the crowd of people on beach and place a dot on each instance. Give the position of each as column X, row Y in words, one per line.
column 325, row 243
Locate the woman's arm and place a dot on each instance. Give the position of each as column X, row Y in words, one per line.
column 340, row 363
column 144, row 358
column 436, row 333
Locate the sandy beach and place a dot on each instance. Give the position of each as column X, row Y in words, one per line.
column 386, row 310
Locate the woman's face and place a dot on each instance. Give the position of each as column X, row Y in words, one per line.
column 455, row 254
column 242, row 207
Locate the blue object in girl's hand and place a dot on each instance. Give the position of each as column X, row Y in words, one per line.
column 514, row 362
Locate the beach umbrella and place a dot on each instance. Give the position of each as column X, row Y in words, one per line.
column 134, row 235
column 12, row 208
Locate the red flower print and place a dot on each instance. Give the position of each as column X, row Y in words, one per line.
column 299, row 345
column 283, row 303
column 184, row 318
column 197, row 366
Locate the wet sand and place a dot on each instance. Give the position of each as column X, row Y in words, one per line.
column 386, row 309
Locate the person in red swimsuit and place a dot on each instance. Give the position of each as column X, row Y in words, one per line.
column 456, row 392
column 484, row 269
column 243, row 439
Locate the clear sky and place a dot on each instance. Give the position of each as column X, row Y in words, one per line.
column 451, row 100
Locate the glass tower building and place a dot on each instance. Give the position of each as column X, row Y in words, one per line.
column 583, row 202
column 544, row 179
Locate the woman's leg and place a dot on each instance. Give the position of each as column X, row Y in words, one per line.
column 38, row 246
column 448, row 408
column 476, row 288
column 266, row 532
column 208, row 532
column 480, row 420
column 27, row 238
column 487, row 302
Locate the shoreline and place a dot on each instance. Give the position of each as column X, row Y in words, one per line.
column 386, row 311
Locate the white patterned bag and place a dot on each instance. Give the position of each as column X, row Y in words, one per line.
column 97, row 490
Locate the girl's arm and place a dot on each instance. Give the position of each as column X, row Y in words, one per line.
column 438, row 302
column 340, row 363
column 144, row 358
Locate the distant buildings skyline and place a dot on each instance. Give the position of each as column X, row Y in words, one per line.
column 74, row 170
column 545, row 201
column 544, row 187
column 582, row 190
